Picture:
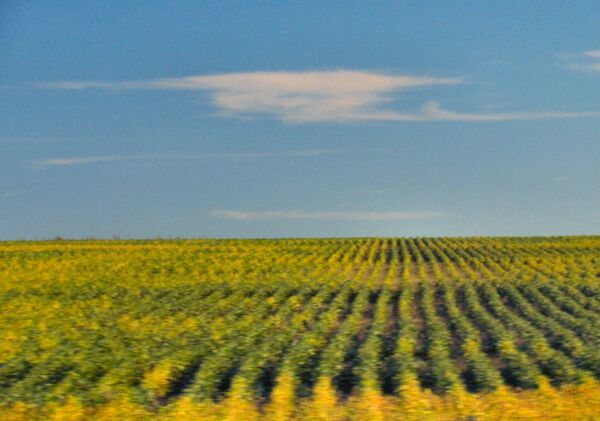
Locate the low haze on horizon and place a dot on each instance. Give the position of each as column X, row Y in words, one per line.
column 299, row 119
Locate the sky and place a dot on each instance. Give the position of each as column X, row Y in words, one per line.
column 299, row 119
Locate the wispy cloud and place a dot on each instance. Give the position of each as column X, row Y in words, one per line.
column 587, row 60
column 240, row 215
column 592, row 53
column 318, row 96
column 9, row 194
column 83, row 160
column 66, row 162
column 432, row 111
column 311, row 96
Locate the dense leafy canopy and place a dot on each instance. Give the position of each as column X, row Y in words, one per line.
column 318, row 329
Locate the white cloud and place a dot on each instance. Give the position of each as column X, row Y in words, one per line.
column 316, row 96
column 592, row 53
column 74, row 161
column 587, row 61
column 312, row 96
column 326, row 215
column 432, row 111
column 66, row 162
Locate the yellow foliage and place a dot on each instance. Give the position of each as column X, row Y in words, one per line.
column 237, row 405
column 370, row 405
column 157, row 380
column 462, row 404
column 18, row 412
column 505, row 405
column 405, row 346
column 568, row 403
column 323, row 405
column 186, row 409
column 470, row 347
column 415, row 403
column 111, row 323
column 282, row 405
column 120, row 409
column 70, row 410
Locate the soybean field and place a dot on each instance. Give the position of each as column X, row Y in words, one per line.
column 293, row 329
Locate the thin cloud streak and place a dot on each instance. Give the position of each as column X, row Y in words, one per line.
column 74, row 161
column 9, row 194
column 66, row 162
column 586, row 61
column 592, row 53
column 317, row 82
column 318, row 96
column 326, row 215
column 432, row 111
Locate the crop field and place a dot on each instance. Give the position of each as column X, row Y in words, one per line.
column 330, row 329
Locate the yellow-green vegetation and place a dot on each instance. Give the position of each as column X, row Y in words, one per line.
column 327, row 329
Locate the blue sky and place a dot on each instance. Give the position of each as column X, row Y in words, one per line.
column 276, row 119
